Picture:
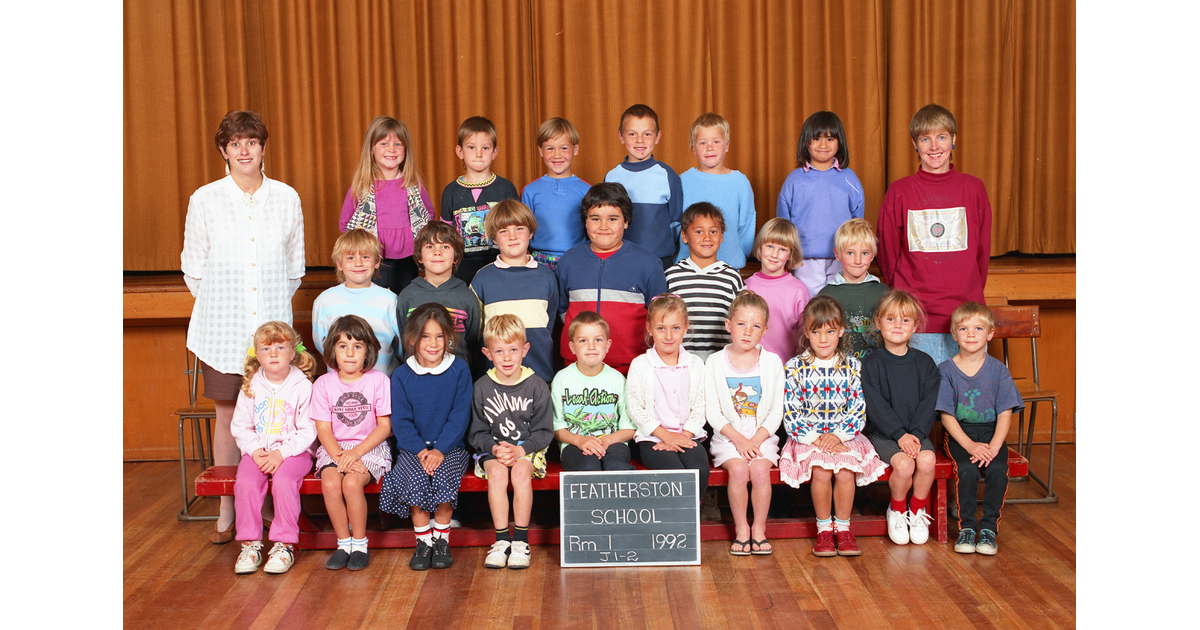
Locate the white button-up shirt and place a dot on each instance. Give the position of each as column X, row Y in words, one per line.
column 243, row 257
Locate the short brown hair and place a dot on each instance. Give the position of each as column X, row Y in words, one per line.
column 474, row 125
column 780, row 231
column 353, row 242
column 929, row 118
column 241, row 124
column 438, row 232
column 702, row 209
column 586, row 318
column 357, row 329
column 508, row 213
column 639, row 111
column 822, row 311
column 555, row 127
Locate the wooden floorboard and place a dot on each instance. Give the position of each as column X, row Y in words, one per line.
column 172, row 574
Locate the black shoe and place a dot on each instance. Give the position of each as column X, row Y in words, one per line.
column 420, row 559
column 441, row 554
column 337, row 560
column 358, row 560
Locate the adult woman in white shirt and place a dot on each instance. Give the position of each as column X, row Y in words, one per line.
column 243, row 257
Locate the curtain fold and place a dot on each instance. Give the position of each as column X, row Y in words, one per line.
column 320, row 71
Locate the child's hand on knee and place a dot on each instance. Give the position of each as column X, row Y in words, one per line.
column 594, row 446
column 273, row 460
column 910, row 444
column 980, row 454
column 827, row 442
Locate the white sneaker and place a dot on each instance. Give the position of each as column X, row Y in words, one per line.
column 518, row 556
column 249, row 559
column 280, row 559
column 918, row 526
column 897, row 526
column 497, row 557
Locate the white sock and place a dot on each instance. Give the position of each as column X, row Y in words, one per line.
column 344, row 544
column 358, row 544
column 441, row 530
column 424, row 533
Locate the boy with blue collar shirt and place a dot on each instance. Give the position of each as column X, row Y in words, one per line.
column 653, row 187
column 854, row 287
column 554, row 197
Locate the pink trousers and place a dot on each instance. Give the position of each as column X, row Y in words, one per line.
column 251, row 488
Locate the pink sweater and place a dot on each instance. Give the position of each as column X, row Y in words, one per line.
column 276, row 417
column 786, row 297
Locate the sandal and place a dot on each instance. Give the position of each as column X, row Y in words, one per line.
column 757, row 547
column 220, row 538
column 745, row 548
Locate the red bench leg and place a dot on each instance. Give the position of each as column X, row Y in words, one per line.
column 939, row 511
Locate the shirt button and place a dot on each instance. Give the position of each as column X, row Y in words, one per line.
column 251, row 239
column 250, row 218
column 253, row 288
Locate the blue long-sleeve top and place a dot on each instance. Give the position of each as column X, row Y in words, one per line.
column 431, row 408
column 555, row 205
column 731, row 193
column 657, row 197
column 817, row 203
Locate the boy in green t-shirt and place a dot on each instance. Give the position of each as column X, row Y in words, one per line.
column 855, row 288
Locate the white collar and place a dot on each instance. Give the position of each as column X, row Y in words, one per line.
column 447, row 359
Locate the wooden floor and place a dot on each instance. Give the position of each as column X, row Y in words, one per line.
column 173, row 576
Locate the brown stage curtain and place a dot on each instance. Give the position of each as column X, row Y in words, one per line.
column 319, row 71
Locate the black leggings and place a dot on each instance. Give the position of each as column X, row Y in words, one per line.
column 616, row 457
column 695, row 457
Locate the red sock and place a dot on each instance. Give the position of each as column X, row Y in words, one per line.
column 899, row 506
column 917, row 504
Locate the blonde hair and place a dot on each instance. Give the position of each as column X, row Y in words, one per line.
column 368, row 172
column 967, row 310
column 708, row 121
column 508, row 213
column 662, row 305
column 854, row 231
column 930, row 118
column 902, row 303
column 820, row 312
column 749, row 299
column 505, row 328
column 353, row 242
column 780, row 231
column 274, row 332
column 555, row 127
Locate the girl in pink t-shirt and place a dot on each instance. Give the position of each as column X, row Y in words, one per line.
column 352, row 406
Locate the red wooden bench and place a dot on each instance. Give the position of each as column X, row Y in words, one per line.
column 219, row 480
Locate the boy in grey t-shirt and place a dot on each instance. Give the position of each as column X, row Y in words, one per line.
column 976, row 401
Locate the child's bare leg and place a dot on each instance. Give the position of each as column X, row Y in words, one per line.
column 739, row 475
column 843, row 494
column 443, row 514
column 760, row 496
column 902, row 475
column 356, row 502
column 420, row 518
column 821, row 485
column 923, row 478
column 497, row 478
column 335, row 504
column 522, row 483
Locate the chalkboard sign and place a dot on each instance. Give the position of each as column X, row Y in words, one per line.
column 629, row 518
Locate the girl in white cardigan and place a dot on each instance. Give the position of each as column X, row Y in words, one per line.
column 745, row 408
column 664, row 393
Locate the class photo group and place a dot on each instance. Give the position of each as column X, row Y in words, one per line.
column 605, row 326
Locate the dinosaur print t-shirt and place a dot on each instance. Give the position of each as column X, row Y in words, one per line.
column 980, row 398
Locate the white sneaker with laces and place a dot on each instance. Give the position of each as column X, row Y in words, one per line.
column 897, row 526
column 280, row 559
column 249, row 559
column 918, row 526
column 518, row 556
column 497, row 557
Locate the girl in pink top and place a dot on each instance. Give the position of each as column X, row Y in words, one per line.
column 778, row 249
column 275, row 435
column 352, row 406
column 388, row 199
column 664, row 393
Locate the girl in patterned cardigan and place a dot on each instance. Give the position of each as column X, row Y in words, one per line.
column 824, row 414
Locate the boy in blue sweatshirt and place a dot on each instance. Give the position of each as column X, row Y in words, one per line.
column 653, row 187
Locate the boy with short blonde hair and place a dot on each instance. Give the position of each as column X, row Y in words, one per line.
column 652, row 186
column 721, row 186
column 554, row 197
column 590, row 420
column 467, row 200
column 357, row 255
column 511, row 428
column 854, row 287
column 976, row 401
column 516, row 283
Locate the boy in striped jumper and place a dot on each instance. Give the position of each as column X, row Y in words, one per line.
column 707, row 285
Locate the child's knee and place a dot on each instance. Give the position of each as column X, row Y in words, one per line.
column 926, row 461
column 902, row 465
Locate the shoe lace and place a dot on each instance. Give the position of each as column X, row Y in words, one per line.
column 919, row 517
column 248, row 551
column 280, row 549
column 987, row 537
